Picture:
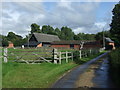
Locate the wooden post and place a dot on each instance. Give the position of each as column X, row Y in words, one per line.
column 55, row 55
column 66, row 57
column 90, row 52
column 60, row 58
column 80, row 54
column 5, row 55
column 72, row 55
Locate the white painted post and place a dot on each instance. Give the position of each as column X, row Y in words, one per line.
column 60, row 58
column 5, row 55
column 80, row 54
column 72, row 55
column 66, row 57
column 55, row 55
column 90, row 52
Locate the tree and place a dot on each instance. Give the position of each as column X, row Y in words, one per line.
column 4, row 41
column 99, row 35
column 57, row 32
column 115, row 25
column 47, row 29
column 66, row 33
column 14, row 38
column 83, row 36
column 35, row 28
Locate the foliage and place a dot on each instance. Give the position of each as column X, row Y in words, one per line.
column 114, row 60
column 66, row 33
column 4, row 41
column 83, row 36
column 115, row 25
column 99, row 35
column 47, row 29
column 35, row 28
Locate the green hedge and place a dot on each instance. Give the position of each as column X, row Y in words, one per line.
column 114, row 59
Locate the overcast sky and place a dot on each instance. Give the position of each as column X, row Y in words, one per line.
column 87, row 17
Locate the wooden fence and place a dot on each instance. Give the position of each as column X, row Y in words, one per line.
column 50, row 55
column 59, row 56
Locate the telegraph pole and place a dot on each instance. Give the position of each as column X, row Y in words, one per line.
column 103, row 39
column 28, row 38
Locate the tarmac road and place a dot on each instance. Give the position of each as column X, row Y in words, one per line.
column 69, row 80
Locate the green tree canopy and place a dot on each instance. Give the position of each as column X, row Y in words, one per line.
column 66, row 33
column 83, row 36
column 35, row 28
column 47, row 29
column 14, row 38
column 115, row 25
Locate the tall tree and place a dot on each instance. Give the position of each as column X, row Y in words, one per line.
column 35, row 28
column 66, row 33
column 47, row 29
column 115, row 25
column 14, row 38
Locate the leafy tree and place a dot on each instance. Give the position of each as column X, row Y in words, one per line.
column 16, row 39
column 57, row 32
column 83, row 36
column 66, row 33
column 115, row 25
column 4, row 41
column 47, row 29
column 99, row 35
column 35, row 28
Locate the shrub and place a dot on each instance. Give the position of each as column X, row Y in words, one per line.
column 114, row 60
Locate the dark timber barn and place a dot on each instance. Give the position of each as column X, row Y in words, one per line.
column 40, row 39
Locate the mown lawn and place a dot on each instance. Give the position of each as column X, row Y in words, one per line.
column 43, row 75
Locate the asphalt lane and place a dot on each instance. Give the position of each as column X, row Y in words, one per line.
column 68, row 80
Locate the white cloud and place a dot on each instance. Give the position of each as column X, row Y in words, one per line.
column 81, row 17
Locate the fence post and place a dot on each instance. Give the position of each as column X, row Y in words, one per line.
column 55, row 55
column 90, row 52
column 66, row 57
column 60, row 58
column 5, row 55
column 80, row 54
column 72, row 56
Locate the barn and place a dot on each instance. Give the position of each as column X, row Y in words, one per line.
column 40, row 39
column 75, row 44
column 109, row 43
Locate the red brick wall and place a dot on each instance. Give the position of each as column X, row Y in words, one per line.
column 76, row 46
column 65, row 46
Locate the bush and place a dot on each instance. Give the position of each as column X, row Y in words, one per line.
column 77, row 59
column 114, row 60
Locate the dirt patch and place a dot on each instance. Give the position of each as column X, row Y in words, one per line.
column 85, row 79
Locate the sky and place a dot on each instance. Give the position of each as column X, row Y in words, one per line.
column 82, row 17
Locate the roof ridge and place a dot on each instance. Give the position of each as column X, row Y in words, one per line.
column 45, row 34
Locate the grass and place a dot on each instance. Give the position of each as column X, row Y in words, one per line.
column 18, row 75
column 85, row 59
column 32, row 75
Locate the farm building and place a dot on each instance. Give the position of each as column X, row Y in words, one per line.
column 109, row 43
column 40, row 39
column 75, row 44
column 11, row 45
